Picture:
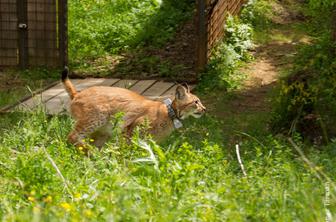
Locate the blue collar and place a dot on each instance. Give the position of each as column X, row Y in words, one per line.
column 171, row 113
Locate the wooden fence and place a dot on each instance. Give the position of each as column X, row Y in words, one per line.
column 211, row 16
column 33, row 33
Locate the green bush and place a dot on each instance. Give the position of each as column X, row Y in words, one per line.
column 257, row 13
column 227, row 56
column 319, row 14
column 307, row 97
column 309, row 92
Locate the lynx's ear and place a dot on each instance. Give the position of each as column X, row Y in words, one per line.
column 180, row 92
column 186, row 86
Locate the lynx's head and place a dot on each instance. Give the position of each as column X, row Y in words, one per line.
column 187, row 104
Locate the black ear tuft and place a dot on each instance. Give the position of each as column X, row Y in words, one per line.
column 180, row 92
column 186, row 86
column 65, row 73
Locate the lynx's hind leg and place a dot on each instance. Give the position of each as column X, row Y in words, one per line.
column 84, row 128
column 101, row 135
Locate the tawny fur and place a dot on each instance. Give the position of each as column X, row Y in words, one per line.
column 95, row 107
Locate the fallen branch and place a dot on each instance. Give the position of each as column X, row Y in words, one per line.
column 239, row 160
column 307, row 161
column 66, row 185
column 251, row 137
column 317, row 171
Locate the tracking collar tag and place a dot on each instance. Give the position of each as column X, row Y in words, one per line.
column 177, row 123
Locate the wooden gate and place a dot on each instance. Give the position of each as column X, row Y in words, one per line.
column 33, row 33
column 211, row 16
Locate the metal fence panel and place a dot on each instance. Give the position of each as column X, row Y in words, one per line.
column 32, row 33
column 8, row 33
column 42, row 33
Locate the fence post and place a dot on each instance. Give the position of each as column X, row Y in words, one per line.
column 202, row 43
column 63, row 31
column 22, row 33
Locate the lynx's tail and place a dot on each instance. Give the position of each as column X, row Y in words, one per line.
column 69, row 87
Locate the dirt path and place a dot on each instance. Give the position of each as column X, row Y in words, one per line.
column 248, row 109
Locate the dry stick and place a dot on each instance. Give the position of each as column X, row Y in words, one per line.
column 318, row 172
column 305, row 159
column 249, row 136
column 239, row 160
column 66, row 185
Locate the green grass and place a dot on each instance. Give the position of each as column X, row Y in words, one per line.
column 16, row 84
column 99, row 28
column 197, row 177
column 127, row 39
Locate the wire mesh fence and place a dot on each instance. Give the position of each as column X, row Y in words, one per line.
column 33, row 33
column 8, row 33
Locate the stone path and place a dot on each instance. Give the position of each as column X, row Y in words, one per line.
column 55, row 100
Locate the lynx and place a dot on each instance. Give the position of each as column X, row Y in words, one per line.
column 95, row 107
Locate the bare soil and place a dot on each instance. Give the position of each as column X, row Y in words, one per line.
column 248, row 109
column 273, row 57
column 263, row 75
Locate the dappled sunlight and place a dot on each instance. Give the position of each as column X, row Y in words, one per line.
column 247, row 108
column 159, row 42
column 227, row 165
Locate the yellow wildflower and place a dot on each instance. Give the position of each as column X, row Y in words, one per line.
column 88, row 213
column 77, row 195
column 66, row 206
column 30, row 198
column 47, row 199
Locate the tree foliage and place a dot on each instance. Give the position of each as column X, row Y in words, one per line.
column 307, row 103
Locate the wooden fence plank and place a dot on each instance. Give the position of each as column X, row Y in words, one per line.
column 142, row 86
column 109, row 82
column 215, row 21
column 170, row 93
column 59, row 88
column 41, row 98
column 158, row 88
column 125, row 83
column 60, row 102
column 56, row 100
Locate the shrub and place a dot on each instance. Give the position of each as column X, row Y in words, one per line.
column 257, row 13
column 227, row 56
column 307, row 95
